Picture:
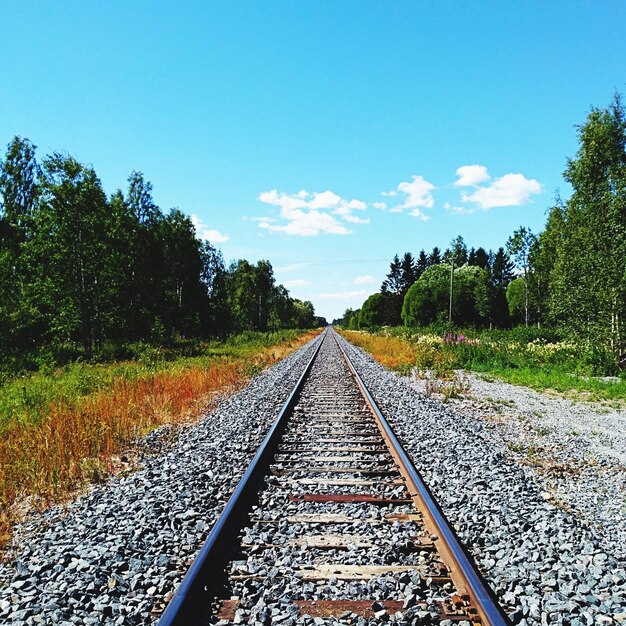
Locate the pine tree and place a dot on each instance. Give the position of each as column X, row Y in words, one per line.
column 393, row 282
column 435, row 256
column 422, row 264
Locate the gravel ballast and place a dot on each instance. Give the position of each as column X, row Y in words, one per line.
column 544, row 562
column 115, row 555
column 577, row 449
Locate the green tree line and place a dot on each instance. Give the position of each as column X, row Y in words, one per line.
column 570, row 277
column 80, row 270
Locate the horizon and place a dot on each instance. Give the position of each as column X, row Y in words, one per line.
column 325, row 139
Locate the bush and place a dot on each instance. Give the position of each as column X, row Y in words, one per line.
column 380, row 309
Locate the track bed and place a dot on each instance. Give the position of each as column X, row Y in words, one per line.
column 338, row 529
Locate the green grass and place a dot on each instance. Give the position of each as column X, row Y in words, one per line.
column 25, row 398
column 538, row 358
column 560, row 380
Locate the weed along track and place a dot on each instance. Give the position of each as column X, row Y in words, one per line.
column 331, row 523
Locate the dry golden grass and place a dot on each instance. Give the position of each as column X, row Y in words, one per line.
column 76, row 442
column 392, row 352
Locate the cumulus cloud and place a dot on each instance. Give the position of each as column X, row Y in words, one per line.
column 308, row 224
column 458, row 210
column 389, row 194
column 417, row 213
column 418, row 193
column 343, row 295
column 296, row 282
column 364, row 280
column 417, row 196
column 509, row 190
column 470, row 175
column 204, row 232
column 309, row 214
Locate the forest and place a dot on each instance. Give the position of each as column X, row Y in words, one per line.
column 569, row 279
column 86, row 275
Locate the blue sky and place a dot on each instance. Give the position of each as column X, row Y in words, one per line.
column 280, row 125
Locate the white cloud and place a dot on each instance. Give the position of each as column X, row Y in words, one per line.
column 417, row 193
column 354, row 219
column 458, row 210
column 417, row 196
column 309, row 214
column 364, row 280
column 308, row 224
column 509, row 190
column 389, row 194
column 343, row 295
column 470, row 175
column 380, row 205
column 204, row 232
column 419, row 215
column 296, row 282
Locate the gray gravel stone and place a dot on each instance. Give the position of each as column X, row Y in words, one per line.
column 116, row 554
column 535, row 554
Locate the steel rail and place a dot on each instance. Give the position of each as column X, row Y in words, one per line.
column 191, row 603
column 463, row 569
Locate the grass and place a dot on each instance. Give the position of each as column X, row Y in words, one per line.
column 62, row 429
column 520, row 357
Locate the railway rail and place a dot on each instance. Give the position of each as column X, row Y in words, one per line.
column 331, row 520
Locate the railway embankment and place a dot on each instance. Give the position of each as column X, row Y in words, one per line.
column 116, row 555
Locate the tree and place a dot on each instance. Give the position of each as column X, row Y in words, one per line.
column 408, row 273
column 501, row 273
column 543, row 259
column 471, row 304
column 305, row 314
column 264, row 282
column 588, row 284
column 215, row 317
column 145, row 240
column 519, row 246
column 435, row 256
column 422, row 264
column 350, row 319
column 20, row 176
column 516, row 294
column 428, row 299
column 456, row 253
column 481, row 259
column 249, row 294
column 183, row 296
column 402, row 274
column 393, row 281
column 68, row 252
column 380, row 309
column 243, row 301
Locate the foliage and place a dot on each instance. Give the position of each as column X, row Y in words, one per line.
column 588, row 282
column 402, row 274
column 80, row 271
column 63, row 428
column 516, row 299
column 570, row 277
column 535, row 357
column 520, row 245
column 427, row 301
column 380, row 309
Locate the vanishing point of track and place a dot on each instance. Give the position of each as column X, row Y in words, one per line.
column 331, row 519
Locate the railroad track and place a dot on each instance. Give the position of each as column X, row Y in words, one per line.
column 332, row 521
